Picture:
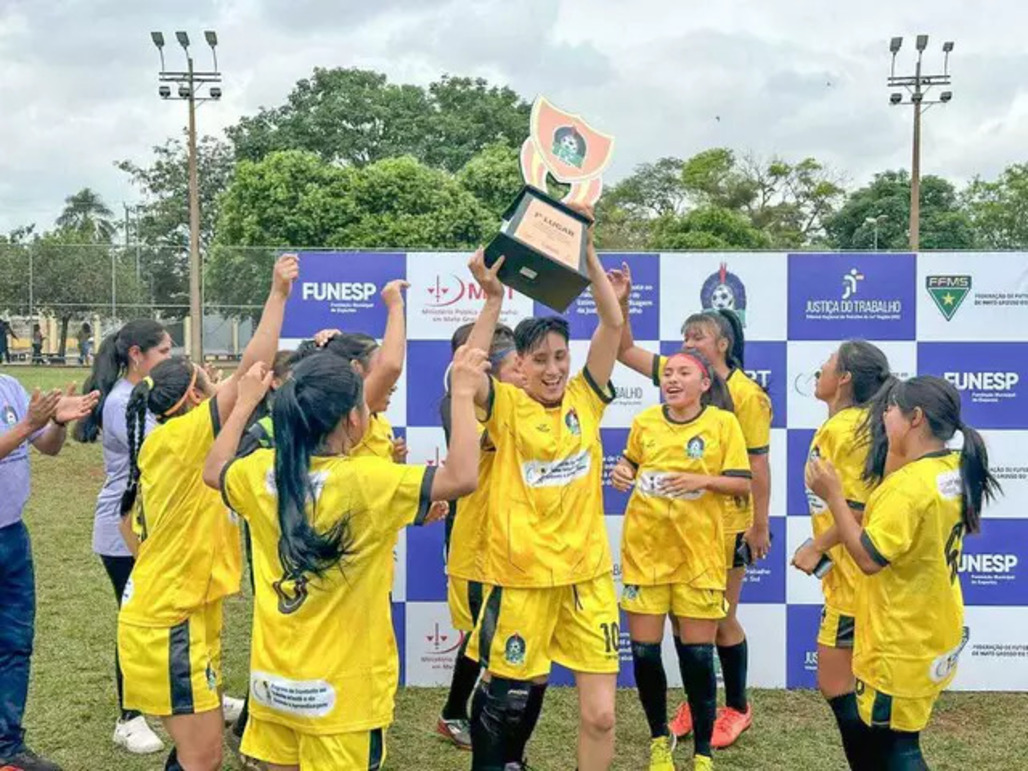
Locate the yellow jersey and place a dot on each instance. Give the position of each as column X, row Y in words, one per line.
column 752, row 406
column 545, row 525
column 323, row 657
column 465, row 552
column 679, row 539
column 837, row 442
column 910, row 615
column 190, row 552
column 377, row 440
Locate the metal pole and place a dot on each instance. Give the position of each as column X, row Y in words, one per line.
column 195, row 306
column 32, row 300
column 876, row 235
column 915, row 166
column 114, row 288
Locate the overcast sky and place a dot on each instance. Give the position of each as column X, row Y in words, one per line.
column 78, row 85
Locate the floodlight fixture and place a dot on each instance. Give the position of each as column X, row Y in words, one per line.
column 895, row 43
column 183, row 92
column 215, row 92
column 183, row 39
column 895, row 97
column 947, row 47
column 158, row 39
column 922, row 42
column 945, row 96
column 211, row 37
column 165, row 92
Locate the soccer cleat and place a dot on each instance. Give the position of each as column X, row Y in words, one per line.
column 27, row 760
column 517, row 765
column 702, row 763
column 661, row 749
column 681, row 724
column 729, row 726
column 137, row 737
column 231, row 709
column 457, row 732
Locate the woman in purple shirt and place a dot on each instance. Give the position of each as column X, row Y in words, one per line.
column 124, row 358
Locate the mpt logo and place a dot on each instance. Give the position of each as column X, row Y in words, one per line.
column 438, row 639
column 761, row 377
column 455, row 289
column 849, row 283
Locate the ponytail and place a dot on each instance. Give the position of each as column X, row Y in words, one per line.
column 736, row 341
column 872, row 432
column 163, row 394
column 306, row 410
column 976, row 481
column 109, row 364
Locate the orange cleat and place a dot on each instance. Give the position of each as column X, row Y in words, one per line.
column 729, row 726
column 681, row 724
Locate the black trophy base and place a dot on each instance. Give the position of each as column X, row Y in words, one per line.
column 533, row 272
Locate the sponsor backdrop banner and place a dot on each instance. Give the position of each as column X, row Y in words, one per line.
column 960, row 316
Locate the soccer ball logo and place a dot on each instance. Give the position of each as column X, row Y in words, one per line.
column 722, row 297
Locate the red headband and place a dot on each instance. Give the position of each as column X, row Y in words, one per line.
column 700, row 364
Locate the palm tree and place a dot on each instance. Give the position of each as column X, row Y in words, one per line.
column 86, row 214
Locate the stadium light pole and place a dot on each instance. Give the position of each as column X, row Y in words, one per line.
column 875, row 222
column 917, row 86
column 189, row 82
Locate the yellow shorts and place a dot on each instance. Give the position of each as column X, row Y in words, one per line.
column 879, row 710
column 521, row 632
column 836, row 629
column 732, row 543
column 173, row 671
column 465, row 600
column 283, row 746
column 682, row 600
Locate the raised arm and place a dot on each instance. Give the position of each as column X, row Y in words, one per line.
column 394, row 346
column 603, row 348
column 252, row 388
column 264, row 344
column 482, row 332
column 633, row 357
column 823, row 481
column 459, row 475
column 42, row 407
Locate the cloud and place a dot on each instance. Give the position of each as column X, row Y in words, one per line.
column 80, row 79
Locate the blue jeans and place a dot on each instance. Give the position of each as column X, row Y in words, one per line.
column 17, row 625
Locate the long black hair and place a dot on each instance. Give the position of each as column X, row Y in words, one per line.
column 307, row 409
column 165, row 387
column 728, row 326
column 353, row 346
column 939, row 400
column 870, row 383
column 110, row 363
column 718, row 394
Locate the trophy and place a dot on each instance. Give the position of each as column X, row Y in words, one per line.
column 544, row 240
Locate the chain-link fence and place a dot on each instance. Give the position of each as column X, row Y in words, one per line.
column 59, row 300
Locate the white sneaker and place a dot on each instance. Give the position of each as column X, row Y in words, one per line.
column 231, row 709
column 137, row 737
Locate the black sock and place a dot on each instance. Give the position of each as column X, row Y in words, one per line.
column 856, row 736
column 651, row 682
column 700, row 682
column 172, row 764
column 679, row 646
column 733, row 670
column 465, row 675
column 240, row 725
column 497, row 710
column 900, row 751
column 533, row 709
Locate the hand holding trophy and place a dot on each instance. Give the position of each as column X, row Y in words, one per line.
column 545, row 240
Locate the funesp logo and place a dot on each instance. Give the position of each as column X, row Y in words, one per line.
column 995, row 564
column 338, row 291
column 983, row 381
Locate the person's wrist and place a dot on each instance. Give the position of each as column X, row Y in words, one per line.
column 59, row 423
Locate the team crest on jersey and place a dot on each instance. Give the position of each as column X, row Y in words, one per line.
column 815, row 453
column 514, row 650
column 571, row 421
column 291, row 593
column 212, row 679
column 694, row 448
column 10, row 419
column 631, row 592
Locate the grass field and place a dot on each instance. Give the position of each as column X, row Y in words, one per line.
column 72, row 702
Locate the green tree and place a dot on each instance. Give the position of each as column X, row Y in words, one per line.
column 998, row 210
column 295, row 199
column 706, row 227
column 944, row 225
column 493, row 176
column 161, row 230
column 87, row 217
column 356, row 117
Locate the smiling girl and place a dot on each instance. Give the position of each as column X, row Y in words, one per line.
column 685, row 457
